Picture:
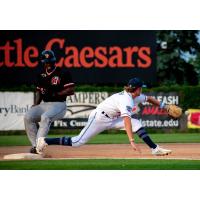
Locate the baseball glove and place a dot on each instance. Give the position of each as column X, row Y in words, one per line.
column 173, row 110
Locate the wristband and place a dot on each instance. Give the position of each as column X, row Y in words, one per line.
column 132, row 140
column 162, row 105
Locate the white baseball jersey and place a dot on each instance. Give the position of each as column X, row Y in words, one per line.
column 121, row 104
column 109, row 115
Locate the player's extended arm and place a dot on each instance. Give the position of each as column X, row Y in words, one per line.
column 128, row 128
column 153, row 101
column 172, row 110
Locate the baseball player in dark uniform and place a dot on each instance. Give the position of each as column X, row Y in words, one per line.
column 53, row 86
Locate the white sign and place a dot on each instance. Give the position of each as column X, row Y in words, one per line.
column 13, row 106
column 81, row 104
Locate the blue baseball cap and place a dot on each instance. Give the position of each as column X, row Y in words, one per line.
column 136, row 83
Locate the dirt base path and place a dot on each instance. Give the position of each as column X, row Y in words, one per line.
column 116, row 151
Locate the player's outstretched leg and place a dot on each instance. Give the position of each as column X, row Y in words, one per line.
column 92, row 128
column 66, row 141
column 156, row 150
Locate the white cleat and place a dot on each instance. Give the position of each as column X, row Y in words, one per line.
column 41, row 145
column 158, row 151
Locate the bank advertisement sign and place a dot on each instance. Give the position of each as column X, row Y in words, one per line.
column 13, row 107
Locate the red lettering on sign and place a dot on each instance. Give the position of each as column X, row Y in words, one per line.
column 129, row 52
column 101, row 59
column 19, row 53
column 144, row 54
column 7, row 50
column 77, row 57
column 54, row 41
column 71, row 60
column 31, row 52
column 22, row 58
column 116, row 57
column 152, row 110
column 86, row 52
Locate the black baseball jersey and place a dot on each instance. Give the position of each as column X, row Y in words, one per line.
column 52, row 83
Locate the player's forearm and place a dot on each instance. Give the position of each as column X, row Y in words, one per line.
column 66, row 92
column 38, row 98
column 153, row 101
column 128, row 128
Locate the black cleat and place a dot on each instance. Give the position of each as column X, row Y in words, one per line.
column 33, row 150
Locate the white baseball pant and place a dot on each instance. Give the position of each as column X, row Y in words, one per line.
column 99, row 122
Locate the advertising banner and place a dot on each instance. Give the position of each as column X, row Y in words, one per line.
column 13, row 106
column 100, row 57
column 79, row 106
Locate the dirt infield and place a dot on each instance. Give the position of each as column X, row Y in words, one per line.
column 115, row 151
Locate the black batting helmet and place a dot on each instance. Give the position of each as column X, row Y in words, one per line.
column 47, row 56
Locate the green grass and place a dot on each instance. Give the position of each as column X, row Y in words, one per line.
column 101, row 164
column 104, row 164
column 22, row 140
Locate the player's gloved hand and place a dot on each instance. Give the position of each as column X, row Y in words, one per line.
column 135, row 147
column 172, row 110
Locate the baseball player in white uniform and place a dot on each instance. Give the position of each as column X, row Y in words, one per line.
column 113, row 113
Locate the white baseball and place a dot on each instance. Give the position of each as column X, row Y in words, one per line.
column 187, row 112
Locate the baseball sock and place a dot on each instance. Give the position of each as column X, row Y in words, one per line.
column 144, row 136
column 66, row 141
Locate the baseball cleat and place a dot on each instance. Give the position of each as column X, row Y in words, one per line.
column 41, row 145
column 158, row 151
column 33, row 150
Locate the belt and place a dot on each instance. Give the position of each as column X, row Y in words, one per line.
column 105, row 114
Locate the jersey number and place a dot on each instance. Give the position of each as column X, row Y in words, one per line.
column 55, row 80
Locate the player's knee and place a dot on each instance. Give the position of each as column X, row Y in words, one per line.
column 45, row 119
column 77, row 144
column 27, row 118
